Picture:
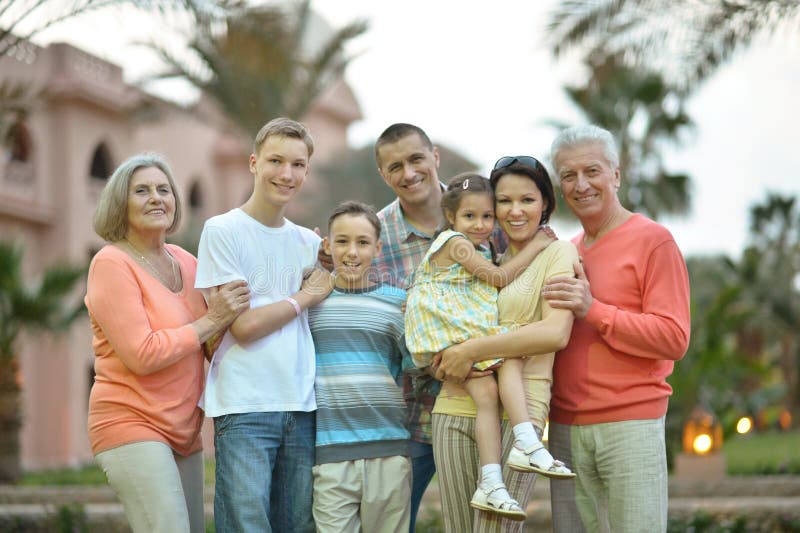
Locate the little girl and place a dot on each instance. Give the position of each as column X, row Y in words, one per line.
column 454, row 298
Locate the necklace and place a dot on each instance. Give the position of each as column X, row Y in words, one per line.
column 175, row 277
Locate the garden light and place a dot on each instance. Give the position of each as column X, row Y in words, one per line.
column 701, row 444
column 702, row 433
column 744, row 425
column 701, row 457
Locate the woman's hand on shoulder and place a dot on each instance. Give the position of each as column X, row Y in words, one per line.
column 228, row 301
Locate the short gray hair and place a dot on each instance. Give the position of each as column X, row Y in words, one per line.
column 585, row 134
column 111, row 215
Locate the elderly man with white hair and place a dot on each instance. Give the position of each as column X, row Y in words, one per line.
column 630, row 298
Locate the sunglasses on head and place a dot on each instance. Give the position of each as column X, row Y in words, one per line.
column 509, row 160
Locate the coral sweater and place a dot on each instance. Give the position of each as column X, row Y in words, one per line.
column 148, row 362
column 619, row 356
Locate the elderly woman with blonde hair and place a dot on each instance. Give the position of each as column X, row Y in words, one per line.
column 149, row 324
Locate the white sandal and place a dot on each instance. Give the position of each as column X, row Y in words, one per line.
column 485, row 501
column 522, row 461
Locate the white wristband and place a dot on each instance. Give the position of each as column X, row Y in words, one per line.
column 296, row 305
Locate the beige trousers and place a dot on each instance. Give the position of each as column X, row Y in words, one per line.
column 161, row 491
column 622, row 477
column 369, row 495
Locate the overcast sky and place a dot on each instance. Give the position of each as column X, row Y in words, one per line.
column 480, row 79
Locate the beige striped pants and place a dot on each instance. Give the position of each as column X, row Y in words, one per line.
column 456, row 454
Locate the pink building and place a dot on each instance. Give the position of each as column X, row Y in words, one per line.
column 83, row 121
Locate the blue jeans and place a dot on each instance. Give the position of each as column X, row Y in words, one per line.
column 422, row 468
column 263, row 472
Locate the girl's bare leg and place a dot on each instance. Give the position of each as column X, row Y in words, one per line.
column 512, row 393
column 484, row 393
column 491, row 490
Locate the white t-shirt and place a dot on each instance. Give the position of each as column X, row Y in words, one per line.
column 274, row 373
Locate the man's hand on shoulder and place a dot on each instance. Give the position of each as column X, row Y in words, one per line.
column 573, row 293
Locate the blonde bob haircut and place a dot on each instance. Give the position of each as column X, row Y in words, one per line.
column 111, row 215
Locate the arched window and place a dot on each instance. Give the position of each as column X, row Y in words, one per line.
column 196, row 200
column 19, row 140
column 102, row 166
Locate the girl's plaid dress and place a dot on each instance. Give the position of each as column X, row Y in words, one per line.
column 447, row 306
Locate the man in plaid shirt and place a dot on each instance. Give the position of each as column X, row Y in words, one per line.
column 409, row 163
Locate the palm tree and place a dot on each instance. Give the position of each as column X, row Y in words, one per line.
column 715, row 372
column 22, row 307
column 256, row 64
column 45, row 13
column 685, row 40
column 644, row 114
column 772, row 275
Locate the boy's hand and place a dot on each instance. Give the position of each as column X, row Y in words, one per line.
column 317, row 285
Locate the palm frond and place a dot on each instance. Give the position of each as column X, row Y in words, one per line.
column 10, row 266
column 684, row 40
column 48, row 14
column 643, row 113
column 328, row 65
column 255, row 67
column 40, row 307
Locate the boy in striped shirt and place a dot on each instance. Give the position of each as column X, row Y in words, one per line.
column 362, row 472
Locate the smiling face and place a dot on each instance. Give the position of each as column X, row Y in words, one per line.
column 280, row 167
column 518, row 208
column 151, row 202
column 352, row 244
column 409, row 167
column 588, row 181
column 474, row 217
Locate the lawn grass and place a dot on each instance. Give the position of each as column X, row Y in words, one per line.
column 86, row 475
column 755, row 454
column 763, row 453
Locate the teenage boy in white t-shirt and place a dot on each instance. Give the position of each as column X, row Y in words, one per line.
column 260, row 386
